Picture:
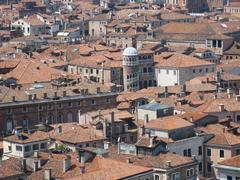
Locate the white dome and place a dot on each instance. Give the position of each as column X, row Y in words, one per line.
column 130, row 51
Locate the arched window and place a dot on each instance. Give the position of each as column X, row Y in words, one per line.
column 49, row 119
column 156, row 177
column 69, row 117
column 60, row 118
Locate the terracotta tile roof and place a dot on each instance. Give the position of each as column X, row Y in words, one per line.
column 221, row 135
column 224, row 139
column 159, row 161
column 212, row 105
column 99, row 168
column 24, row 138
column 175, row 60
column 233, row 162
column 10, row 168
column 194, row 116
column 34, row 20
column 75, row 133
column 168, row 123
column 28, row 71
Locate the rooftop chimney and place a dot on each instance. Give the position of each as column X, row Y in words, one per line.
column 106, row 145
column 82, row 169
column 66, row 163
column 36, row 154
column 151, row 141
column 47, row 174
column 146, row 119
column 112, row 124
column 221, row 107
column 59, row 129
column 81, row 156
column 30, row 97
column 34, row 96
column 169, row 163
column 35, row 166
column 98, row 90
column 24, row 165
column 128, row 160
column 238, row 98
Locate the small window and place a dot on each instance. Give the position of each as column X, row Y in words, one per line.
column 209, row 167
column 107, row 100
column 9, row 111
column 229, row 178
column 167, row 71
column 40, row 107
column 93, row 102
column 10, row 148
column 91, row 71
column 200, row 150
column 24, row 109
column 43, row 145
column 18, row 148
column 238, row 152
column 194, row 71
column 189, row 153
column 35, row 147
column 27, row 148
column 209, row 152
column 185, row 152
column 200, row 70
column 221, row 153
column 87, row 145
column 69, row 104
column 206, row 69
column 200, row 167
column 79, row 103
column 97, row 71
column 156, row 177
column 174, row 72
column 60, row 105
column 189, row 172
column 50, row 106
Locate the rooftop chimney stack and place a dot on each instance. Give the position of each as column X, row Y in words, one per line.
column 35, row 166
column 66, row 164
column 221, row 107
column 24, row 165
column 47, row 174
column 81, row 156
column 169, row 163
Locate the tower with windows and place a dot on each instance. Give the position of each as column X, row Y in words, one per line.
column 130, row 69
